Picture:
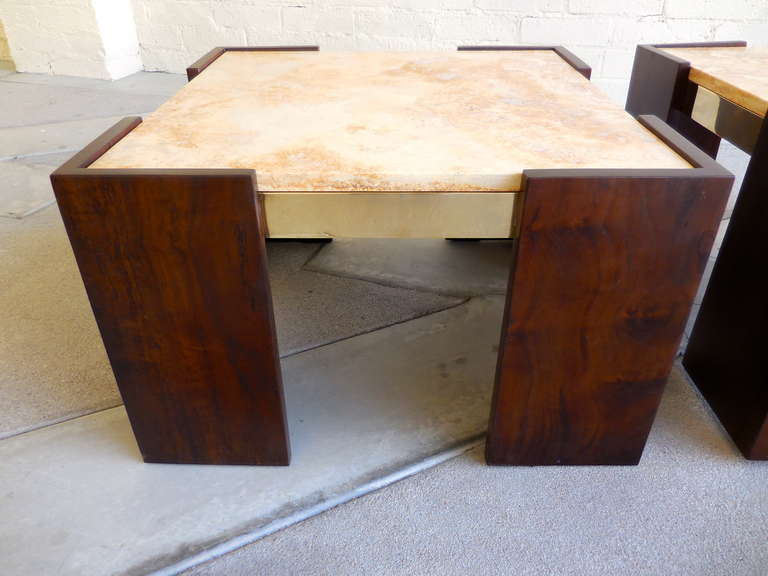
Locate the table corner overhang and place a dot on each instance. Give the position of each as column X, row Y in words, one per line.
column 210, row 57
column 569, row 57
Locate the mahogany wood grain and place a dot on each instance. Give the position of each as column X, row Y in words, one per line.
column 175, row 268
column 209, row 57
column 607, row 266
column 725, row 353
column 576, row 63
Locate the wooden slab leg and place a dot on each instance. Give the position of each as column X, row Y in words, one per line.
column 659, row 85
column 175, row 268
column 726, row 353
column 606, row 271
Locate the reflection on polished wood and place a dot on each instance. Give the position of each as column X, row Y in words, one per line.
column 735, row 73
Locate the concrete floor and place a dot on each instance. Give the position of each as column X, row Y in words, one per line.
column 379, row 381
column 693, row 507
column 376, row 328
column 359, row 411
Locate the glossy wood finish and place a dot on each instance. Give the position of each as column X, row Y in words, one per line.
column 659, row 86
column 576, row 63
column 209, row 57
column 726, row 352
column 607, row 266
column 175, row 268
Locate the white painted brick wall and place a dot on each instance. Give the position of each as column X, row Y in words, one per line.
column 54, row 36
column 95, row 38
column 62, row 36
column 118, row 35
column 174, row 33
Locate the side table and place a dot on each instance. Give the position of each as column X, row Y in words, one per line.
column 713, row 91
column 614, row 220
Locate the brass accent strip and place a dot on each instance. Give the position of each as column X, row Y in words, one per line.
column 390, row 214
column 738, row 125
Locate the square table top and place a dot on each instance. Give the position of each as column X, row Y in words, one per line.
column 738, row 74
column 357, row 121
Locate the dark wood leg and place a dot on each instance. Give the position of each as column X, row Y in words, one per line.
column 659, row 85
column 175, row 268
column 606, row 271
column 725, row 355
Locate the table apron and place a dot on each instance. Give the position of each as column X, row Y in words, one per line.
column 390, row 215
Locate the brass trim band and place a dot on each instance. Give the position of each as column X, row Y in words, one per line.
column 736, row 124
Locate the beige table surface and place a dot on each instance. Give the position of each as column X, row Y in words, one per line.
column 390, row 121
column 390, row 144
column 738, row 74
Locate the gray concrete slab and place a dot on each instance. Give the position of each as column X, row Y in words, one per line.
column 25, row 185
column 461, row 268
column 312, row 309
column 150, row 83
column 45, row 113
column 83, row 503
column 49, row 160
column 56, row 81
column 139, row 83
column 23, row 142
column 52, row 362
column 31, row 104
column 692, row 506
column 53, row 365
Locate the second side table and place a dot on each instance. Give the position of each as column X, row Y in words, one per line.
column 614, row 221
column 709, row 91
